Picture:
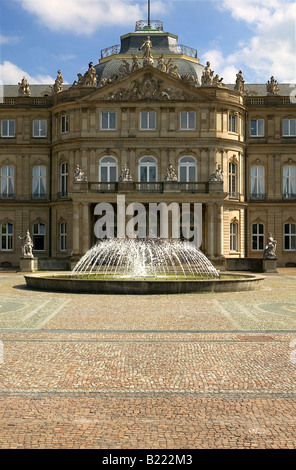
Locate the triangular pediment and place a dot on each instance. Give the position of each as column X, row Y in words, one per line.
column 148, row 84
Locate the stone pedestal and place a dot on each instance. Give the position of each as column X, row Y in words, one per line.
column 269, row 265
column 171, row 187
column 28, row 265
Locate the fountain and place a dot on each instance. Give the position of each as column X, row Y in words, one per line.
column 143, row 266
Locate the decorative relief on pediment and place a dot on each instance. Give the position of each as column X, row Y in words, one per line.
column 147, row 88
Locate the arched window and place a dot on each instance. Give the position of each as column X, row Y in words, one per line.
column 108, row 170
column 148, row 170
column 289, row 181
column 232, row 179
column 257, row 182
column 39, row 182
column 6, row 236
column 187, row 170
column 63, row 179
column 233, row 236
column 290, row 237
column 257, row 237
column 39, row 236
column 7, row 182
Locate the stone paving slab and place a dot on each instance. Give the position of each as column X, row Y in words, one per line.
column 123, row 372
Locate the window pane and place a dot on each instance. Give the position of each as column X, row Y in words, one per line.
column 104, row 175
column 144, row 120
column 191, row 174
column 112, row 173
column 152, row 120
column 192, row 120
column 253, row 127
column 260, row 126
column 112, row 121
column 152, row 173
column 182, row 175
column 292, row 127
column 143, row 173
column 285, row 126
column 183, row 117
column 104, row 120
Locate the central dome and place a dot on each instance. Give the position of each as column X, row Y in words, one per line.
column 163, row 44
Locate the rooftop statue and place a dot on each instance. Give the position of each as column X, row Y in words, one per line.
column 89, row 78
column 173, row 71
column 217, row 81
column 269, row 252
column 207, row 75
column 170, row 174
column 272, row 86
column 79, row 175
column 124, row 69
column 24, row 89
column 239, row 83
column 58, row 84
column 27, row 248
column 189, row 79
column 147, row 56
column 135, row 63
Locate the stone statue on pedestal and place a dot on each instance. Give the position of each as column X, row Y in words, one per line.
column 58, row 85
column 79, row 175
column 269, row 252
column 147, row 56
column 272, row 86
column 27, row 248
column 24, row 89
column 218, row 175
column 207, row 75
column 239, row 83
column 170, row 174
column 125, row 175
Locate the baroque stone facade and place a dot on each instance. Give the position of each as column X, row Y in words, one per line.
column 149, row 121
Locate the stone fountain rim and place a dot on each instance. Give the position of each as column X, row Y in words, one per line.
column 51, row 282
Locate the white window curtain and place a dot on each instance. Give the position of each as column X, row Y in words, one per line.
column 289, row 181
column 257, row 181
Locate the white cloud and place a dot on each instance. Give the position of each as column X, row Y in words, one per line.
column 83, row 17
column 11, row 74
column 8, row 39
column 271, row 48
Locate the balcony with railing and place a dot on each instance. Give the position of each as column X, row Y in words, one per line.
column 148, row 187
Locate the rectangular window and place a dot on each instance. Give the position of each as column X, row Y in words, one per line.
column 233, row 236
column 257, row 127
column 64, row 124
column 290, row 237
column 7, row 128
column 6, row 237
column 257, row 237
column 39, row 128
column 63, row 236
column 7, row 182
column 232, row 123
column 148, row 120
column 289, row 127
column 108, row 121
column 187, row 121
column 39, row 236
column 39, row 182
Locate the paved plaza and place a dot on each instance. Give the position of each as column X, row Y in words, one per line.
column 161, row 372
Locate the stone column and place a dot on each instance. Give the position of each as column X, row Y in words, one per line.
column 210, row 229
column 219, row 230
column 85, row 228
column 76, row 234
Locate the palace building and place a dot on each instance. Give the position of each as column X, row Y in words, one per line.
column 151, row 123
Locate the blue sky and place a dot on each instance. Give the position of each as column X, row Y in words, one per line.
column 38, row 37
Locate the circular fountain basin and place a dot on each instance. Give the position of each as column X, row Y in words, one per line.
column 227, row 282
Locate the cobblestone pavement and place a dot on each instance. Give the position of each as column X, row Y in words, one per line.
column 162, row 372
